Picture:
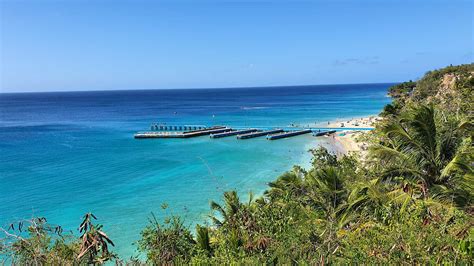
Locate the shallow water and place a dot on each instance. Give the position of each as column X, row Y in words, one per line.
column 64, row 154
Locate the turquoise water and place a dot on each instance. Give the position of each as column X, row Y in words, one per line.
column 65, row 154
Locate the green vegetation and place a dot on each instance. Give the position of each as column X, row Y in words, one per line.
column 409, row 200
column 448, row 89
column 36, row 242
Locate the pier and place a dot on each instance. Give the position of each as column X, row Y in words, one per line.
column 185, row 134
column 259, row 134
column 205, row 129
column 164, row 130
column 324, row 133
column 166, row 127
column 288, row 134
column 232, row 133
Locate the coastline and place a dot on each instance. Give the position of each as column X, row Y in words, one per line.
column 353, row 122
column 345, row 142
column 341, row 143
column 141, row 175
column 348, row 141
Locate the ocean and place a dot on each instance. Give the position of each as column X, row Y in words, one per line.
column 63, row 154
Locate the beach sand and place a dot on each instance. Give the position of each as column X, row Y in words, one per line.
column 345, row 142
column 348, row 142
column 342, row 143
column 360, row 122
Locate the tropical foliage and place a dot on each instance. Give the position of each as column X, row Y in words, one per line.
column 37, row 242
column 409, row 200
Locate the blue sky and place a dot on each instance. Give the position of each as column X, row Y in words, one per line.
column 104, row 45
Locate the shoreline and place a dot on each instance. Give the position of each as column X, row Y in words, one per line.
column 347, row 139
column 345, row 142
column 353, row 122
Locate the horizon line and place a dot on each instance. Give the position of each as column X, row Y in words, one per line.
column 198, row 88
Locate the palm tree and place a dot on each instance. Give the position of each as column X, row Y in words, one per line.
column 323, row 202
column 421, row 146
column 238, row 222
column 367, row 198
column 326, row 190
column 202, row 239
column 229, row 212
column 288, row 186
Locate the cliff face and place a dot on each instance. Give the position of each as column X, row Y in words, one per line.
column 451, row 88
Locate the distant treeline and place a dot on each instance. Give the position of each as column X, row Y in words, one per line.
column 409, row 200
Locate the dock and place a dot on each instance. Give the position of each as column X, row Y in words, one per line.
column 324, row 133
column 259, row 134
column 206, row 129
column 232, row 133
column 172, row 130
column 166, row 127
column 288, row 134
column 185, row 134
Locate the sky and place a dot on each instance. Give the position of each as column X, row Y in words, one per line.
column 137, row 44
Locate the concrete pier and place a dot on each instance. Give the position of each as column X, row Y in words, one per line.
column 166, row 127
column 205, row 129
column 259, row 134
column 165, row 130
column 288, row 134
column 232, row 133
column 324, row 133
column 186, row 134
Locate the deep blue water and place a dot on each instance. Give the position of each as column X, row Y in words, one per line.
column 65, row 154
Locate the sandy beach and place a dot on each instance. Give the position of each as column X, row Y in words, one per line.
column 345, row 142
column 358, row 122
column 348, row 142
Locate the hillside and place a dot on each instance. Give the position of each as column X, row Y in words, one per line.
column 450, row 88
